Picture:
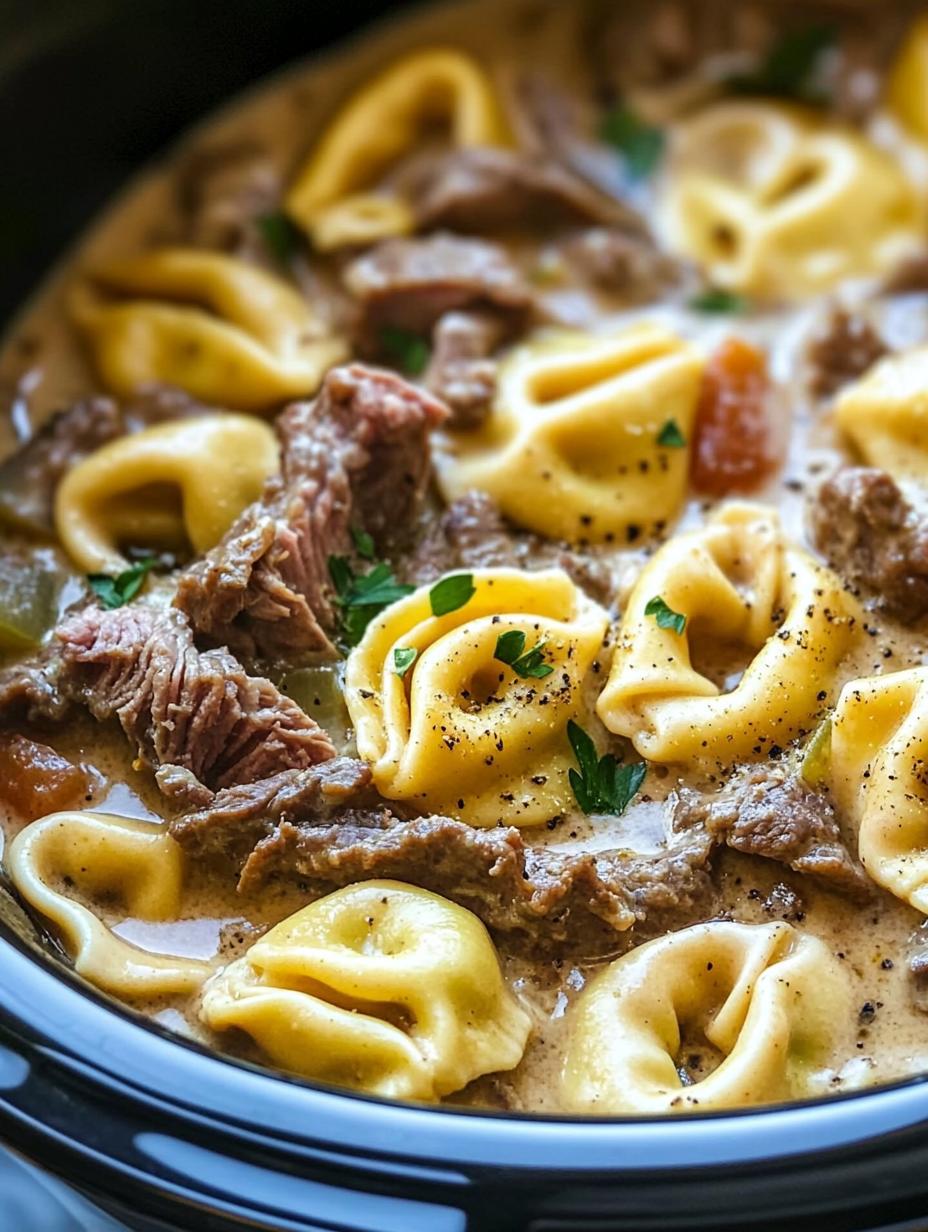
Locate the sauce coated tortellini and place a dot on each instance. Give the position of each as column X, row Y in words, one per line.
column 907, row 85
column 885, row 414
column 773, row 202
column 741, row 585
column 573, row 447
column 380, row 986
column 879, row 755
column 127, row 491
column 770, row 1002
column 334, row 199
column 137, row 862
column 220, row 328
column 461, row 731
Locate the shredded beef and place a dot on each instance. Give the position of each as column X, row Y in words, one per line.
column 461, row 371
column 769, row 811
column 222, row 190
column 355, row 456
column 623, row 263
column 841, row 350
column 862, row 522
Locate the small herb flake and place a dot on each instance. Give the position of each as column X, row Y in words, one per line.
column 790, row 68
column 602, row 785
column 117, row 591
column 363, row 543
column 665, row 616
column 640, row 144
column 670, row 436
column 362, row 597
column 451, row 593
column 718, row 300
column 280, row 236
column 406, row 350
column 530, row 664
column 403, row 659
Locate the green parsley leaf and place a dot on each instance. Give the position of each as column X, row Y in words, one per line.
column 362, row 597
column 602, row 785
column 790, row 66
column 117, row 591
column 363, row 543
column 640, row 144
column 280, row 236
column 451, row 593
column 407, row 350
column 510, row 649
column 403, row 659
column 670, row 436
column 716, row 299
column 665, row 616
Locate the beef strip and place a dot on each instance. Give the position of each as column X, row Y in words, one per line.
column 863, row 523
column 461, row 371
column 355, row 456
column 769, row 811
column 222, row 190
column 842, row 349
column 199, row 711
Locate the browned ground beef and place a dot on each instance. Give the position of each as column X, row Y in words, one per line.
column 864, row 525
column 845, row 346
column 355, row 456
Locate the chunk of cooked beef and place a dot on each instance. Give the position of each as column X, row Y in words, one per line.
column 769, row 811
column 409, row 284
column 625, row 264
column 222, row 190
column 199, row 711
column 865, row 526
column 357, row 455
column 842, row 349
column 461, row 371
column 28, row 692
column 909, row 276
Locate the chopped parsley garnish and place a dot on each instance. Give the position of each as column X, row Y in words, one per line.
column 510, row 649
column 280, row 236
column 451, row 593
column 121, row 589
column 640, row 144
column 403, row 659
column 665, row 616
column 716, row 299
column 790, row 67
column 363, row 543
column 406, row 350
column 670, row 436
column 602, row 785
column 362, row 597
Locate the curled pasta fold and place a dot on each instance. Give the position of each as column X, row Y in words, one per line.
column 768, row 1000
column 907, row 82
column 773, row 202
column 741, row 584
column 220, row 328
column 333, row 197
column 380, row 986
column 879, row 755
column 885, row 414
column 127, row 490
column 572, row 446
column 461, row 732
column 102, row 855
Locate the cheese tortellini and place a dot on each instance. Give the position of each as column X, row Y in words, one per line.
column 127, row 491
column 136, row 861
column 334, row 197
column 741, row 585
column 907, row 84
column 879, row 755
column 771, row 1003
column 775, row 203
column 572, row 448
column 383, row 987
column 220, row 328
column 460, row 731
column 885, row 414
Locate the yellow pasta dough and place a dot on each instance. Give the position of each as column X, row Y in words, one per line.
column 127, row 490
column 885, row 414
column 770, row 1001
column 460, row 732
column 740, row 583
column 572, row 446
column 138, row 862
column 879, row 754
column 380, row 986
column 333, row 197
column 776, row 203
column 220, row 328
column 907, row 83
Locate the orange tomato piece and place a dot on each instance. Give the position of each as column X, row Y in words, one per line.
column 732, row 448
column 35, row 780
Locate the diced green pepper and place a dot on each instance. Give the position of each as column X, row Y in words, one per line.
column 318, row 691
column 28, row 602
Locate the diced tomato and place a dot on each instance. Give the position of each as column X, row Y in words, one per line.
column 35, row 780
column 732, row 448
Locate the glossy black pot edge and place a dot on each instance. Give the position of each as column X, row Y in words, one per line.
column 120, row 1107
